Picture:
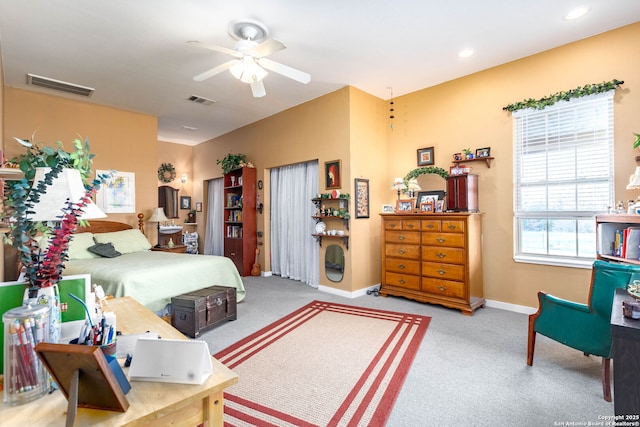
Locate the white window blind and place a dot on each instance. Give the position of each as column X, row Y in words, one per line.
column 563, row 176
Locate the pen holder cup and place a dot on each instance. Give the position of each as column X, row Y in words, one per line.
column 109, row 349
column 25, row 376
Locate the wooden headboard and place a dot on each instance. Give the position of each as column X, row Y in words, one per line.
column 109, row 226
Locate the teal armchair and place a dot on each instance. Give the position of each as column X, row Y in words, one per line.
column 585, row 327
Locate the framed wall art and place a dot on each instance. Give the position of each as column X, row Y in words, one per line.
column 332, row 174
column 198, row 206
column 425, row 156
column 118, row 193
column 185, row 202
column 404, row 206
column 362, row 197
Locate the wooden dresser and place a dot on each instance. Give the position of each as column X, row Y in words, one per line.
column 435, row 258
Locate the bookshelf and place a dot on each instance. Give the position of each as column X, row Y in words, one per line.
column 607, row 225
column 240, row 218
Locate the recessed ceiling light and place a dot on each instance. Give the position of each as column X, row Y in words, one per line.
column 465, row 53
column 577, row 13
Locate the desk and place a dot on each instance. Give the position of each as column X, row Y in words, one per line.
column 625, row 347
column 151, row 403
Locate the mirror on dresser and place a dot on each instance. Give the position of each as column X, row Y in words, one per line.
column 168, row 200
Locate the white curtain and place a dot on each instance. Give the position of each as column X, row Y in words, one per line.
column 294, row 252
column 213, row 241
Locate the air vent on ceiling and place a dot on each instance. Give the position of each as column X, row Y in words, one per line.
column 201, row 100
column 48, row 83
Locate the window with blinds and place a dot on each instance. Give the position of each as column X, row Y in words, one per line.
column 563, row 176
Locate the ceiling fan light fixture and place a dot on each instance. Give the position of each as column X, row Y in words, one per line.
column 247, row 71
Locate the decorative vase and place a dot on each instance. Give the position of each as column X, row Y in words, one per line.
column 49, row 296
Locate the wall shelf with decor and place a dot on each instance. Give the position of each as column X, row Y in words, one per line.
column 487, row 160
column 333, row 210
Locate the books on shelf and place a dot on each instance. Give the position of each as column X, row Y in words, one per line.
column 624, row 242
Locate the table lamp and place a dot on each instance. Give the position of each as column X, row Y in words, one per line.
column 67, row 186
column 413, row 187
column 158, row 216
column 398, row 184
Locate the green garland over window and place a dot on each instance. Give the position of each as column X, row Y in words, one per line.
column 424, row 170
column 578, row 92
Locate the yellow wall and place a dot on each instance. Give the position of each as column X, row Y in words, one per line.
column 121, row 140
column 468, row 113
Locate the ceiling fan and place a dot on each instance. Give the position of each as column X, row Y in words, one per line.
column 250, row 51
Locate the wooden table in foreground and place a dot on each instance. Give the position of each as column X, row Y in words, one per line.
column 151, row 403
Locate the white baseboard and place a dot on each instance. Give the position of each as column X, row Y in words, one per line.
column 266, row 274
column 511, row 307
column 346, row 294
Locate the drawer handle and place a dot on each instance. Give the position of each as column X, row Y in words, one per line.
column 441, row 255
column 452, row 227
column 183, row 316
column 430, row 226
column 392, row 226
column 400, row 237
column 440, row 240
column 402, row 266
column 232, row 254
column 409, row 225
column 442, row 288
column 401, row 281
column 441, row 272
column 401, row 251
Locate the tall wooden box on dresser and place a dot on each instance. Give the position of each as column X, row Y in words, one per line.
column 435, row 258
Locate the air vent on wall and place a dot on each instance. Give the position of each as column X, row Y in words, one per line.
column 48, row 83
column 200, row 100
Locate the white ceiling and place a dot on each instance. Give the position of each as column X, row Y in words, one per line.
column 135, row 52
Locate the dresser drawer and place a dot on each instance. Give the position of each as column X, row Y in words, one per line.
column 447, row 288
column 402, row 224
column 402, row 280
column 443, row 271
column 407, row 237
column 430, row 225
column 455, row 240
column 400, row 265
column 452, row 226
column 448, row 255
column 402, row 251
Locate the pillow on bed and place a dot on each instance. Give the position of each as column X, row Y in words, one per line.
column 79, row 245
column 104, row 250
column 125, row 241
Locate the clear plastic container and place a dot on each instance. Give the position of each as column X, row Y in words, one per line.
column 25, row 377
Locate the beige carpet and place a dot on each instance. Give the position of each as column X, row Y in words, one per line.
column 325, row 364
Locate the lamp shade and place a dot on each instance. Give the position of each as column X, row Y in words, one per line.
column 634, row 180
column 413, row 185
column 67, row 186
column 158, row 215
column 398, row 184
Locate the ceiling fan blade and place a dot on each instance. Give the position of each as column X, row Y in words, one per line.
column 267, row 47
column 286, row 71
column 215, row 70
column 257, row 88
column 216, row 48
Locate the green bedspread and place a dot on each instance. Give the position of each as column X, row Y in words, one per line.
column 152, row 278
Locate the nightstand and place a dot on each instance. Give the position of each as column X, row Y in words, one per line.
column 179, row 249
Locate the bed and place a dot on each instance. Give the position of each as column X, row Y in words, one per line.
column 150, row 277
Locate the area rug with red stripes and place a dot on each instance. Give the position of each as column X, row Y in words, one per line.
column 325, row 364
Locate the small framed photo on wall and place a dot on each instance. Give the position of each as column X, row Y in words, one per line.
column 185, row 202
column 198, row 206
column 332, row 174
column 425, row 156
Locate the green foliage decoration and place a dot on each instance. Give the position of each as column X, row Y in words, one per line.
column 231, row 162
column 636, row 142
column 424, row 170
column 579, row 92
column 43, row 267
